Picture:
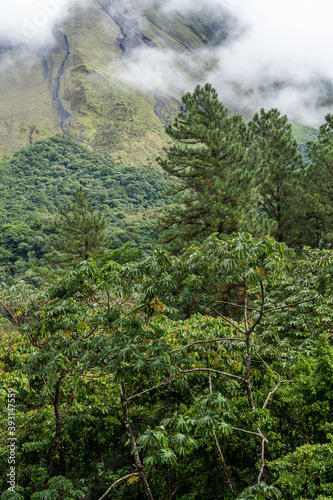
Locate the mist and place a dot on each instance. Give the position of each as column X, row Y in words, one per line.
column 30, row 23
column 279, row 55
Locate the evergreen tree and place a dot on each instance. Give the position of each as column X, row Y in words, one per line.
column 208, row 158
column 320, row 185
column 81, row 230
column 278, row 171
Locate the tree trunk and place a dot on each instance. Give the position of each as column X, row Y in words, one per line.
column 138, row 463
column 227, row 478
column 59, row 421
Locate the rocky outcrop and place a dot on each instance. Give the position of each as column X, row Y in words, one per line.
column 132, row 35
column 64, row 116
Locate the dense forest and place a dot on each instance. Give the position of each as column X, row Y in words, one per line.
column 166, row 331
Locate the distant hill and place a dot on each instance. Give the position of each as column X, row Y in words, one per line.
column 76, row 88
column 41, row 178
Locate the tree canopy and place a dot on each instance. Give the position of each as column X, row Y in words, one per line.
column 200, row 367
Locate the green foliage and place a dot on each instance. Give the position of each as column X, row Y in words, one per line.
column 320, row 185
column 39, row 180
column 200, row 374
column 306, row 473
column 278, row 171
column 208, row 157
column 231, row 176
column 260, row 491
column 193, row 398
column 59, row 487
column 81, row 231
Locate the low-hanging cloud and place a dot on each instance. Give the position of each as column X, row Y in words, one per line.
column 30, row 23
column 161, row 70
column 280, row 56
column 283, row 57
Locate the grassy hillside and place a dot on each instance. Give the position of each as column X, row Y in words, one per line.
column 41, row 178
column 76, row 87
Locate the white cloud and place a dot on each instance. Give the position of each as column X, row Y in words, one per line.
column 284, row 40
column 155, row 69
column 280, row 60
column 192, row 5
column 31, row 22
column 286, row 48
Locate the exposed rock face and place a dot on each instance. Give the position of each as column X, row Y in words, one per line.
column 64, row 116
column 76, row 87
column 132, row 35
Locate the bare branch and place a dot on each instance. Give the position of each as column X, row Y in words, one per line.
column 236, row 305
column 234, row 339
column 262, row 468
column 168, row 381
column 276, row 388
column 245, row 306
column 262, row 360
column 291, row 305
column 261, row 312
column 117, row 482
column 129, row 430
column 226, row 473
column 213, row 371
column 278, row 382
column 246, row 432
column 226, row 319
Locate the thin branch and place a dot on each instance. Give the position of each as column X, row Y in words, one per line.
column 69, row 402
column 261, row 312
column 168, row 381
column 226, row 473
column 226, row 319
column 90, row 333
column 245, row 307
column 138, row 463
column 262, row 468
column 246, row 432
column 236, row 305
column 213, row 371
column 291, row 305
column 235, row 339
column 136, row 309
column 117, row 482
column 262, row 360
column 270, row 394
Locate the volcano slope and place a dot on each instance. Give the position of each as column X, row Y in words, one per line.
column 93, row 85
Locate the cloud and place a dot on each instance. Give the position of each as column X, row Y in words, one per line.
column 197, row 5
column 280, row 55
column 284, row 40
column 284, row 56
column 30, row 23
column 160, row 70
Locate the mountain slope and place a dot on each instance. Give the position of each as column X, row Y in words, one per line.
column 41, row 178
column 86, row 88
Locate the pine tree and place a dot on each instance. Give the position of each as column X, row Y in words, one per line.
column 81, row 231
column 208, row 160
column 320, row 186
column 278, row 171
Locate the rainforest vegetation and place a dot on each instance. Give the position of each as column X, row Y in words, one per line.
column 166, row 331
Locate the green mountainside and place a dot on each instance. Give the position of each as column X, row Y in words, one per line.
column 82, row 86
column 165, row 319
column 40, row 179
